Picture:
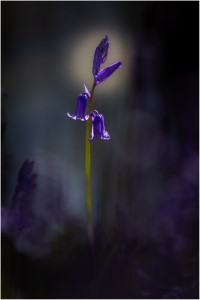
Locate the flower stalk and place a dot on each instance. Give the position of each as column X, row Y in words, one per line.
column 88, row 172
column 95, row 127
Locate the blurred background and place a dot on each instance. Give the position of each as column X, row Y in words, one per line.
column 144, row 179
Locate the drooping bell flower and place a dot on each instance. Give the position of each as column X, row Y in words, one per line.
column 100, row 55
column 81, row 108
column 107, row 72
column 98, row 127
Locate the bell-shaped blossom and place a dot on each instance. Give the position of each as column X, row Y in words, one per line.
column 100, row 55
column 98, row 127
column 81, row 108
column 107, row 72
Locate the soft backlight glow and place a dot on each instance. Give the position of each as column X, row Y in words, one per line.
column 79, row 62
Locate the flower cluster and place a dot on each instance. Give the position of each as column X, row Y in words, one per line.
column 82, row 111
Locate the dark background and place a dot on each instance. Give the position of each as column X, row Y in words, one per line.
column 144, row 179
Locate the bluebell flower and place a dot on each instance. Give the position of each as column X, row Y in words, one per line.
column 98, row 127
column 107, row 72
column 81, row 108
column 100, row 55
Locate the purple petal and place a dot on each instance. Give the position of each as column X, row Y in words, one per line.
column 25, row 169
column 81, row 108
column 104, row 45
column 107, row 72
column 98, row 127
column 6, row 221
column 96, row 61
column 104, row 42
column 100, row 55
column 74, row 117
column 26, row 183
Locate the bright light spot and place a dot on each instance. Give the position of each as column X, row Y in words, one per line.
column 80, row 54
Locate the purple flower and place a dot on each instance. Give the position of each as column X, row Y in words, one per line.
column 19, row 216
column 98, row 127
column 100, row 55
column 6, row 221
column 96, row 61
column 26, row 179
column 81, row 108
column 107, row 72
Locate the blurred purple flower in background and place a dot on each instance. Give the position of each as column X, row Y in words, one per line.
column 25, row 180
column 19, row 222
column 33, row 220
column 19, row 217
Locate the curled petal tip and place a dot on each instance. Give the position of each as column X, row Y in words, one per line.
column 86, row 90
column 71, row 116
column 106, row 136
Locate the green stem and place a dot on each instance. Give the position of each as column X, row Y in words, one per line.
column 88, row 182
column 88, row 172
